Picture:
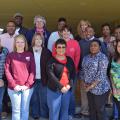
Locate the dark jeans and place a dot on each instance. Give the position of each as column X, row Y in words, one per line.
column 38, row 104
column 72, row 98
column 6, row 99
column 115, row 110
column 117, row 103
column 96, row 105
column 2, row 89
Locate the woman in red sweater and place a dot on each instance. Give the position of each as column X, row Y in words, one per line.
column 20, row 73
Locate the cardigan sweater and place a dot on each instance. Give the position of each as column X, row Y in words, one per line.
column 45, row 56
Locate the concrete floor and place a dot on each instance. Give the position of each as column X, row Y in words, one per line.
column 109, row 113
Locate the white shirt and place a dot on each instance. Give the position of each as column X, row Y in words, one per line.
column 7, row 41
column 17, row 31
column 112, row 38
column 37, row 56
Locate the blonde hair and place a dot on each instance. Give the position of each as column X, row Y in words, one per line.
column 20, row 37
column 33, row 39
column 79, row 31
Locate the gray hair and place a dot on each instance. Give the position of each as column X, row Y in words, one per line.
column 41, row 18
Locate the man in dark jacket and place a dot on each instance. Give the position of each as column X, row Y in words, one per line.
column 18, row 18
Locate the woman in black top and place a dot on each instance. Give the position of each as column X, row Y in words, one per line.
column 61, row 72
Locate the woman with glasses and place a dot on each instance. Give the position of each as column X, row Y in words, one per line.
column 61, row 72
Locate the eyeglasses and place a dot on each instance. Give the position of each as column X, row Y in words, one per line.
column 61, row 47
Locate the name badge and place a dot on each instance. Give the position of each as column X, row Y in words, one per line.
column 27, row 58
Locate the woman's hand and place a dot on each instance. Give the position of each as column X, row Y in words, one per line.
column 24, row 87
column 64, row 90
column 67, row 86
column 1, row 83
column 87, row 88
column 17, row 88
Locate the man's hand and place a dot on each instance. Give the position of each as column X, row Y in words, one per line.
column 1, row 83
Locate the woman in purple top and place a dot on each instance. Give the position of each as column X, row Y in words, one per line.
column 20, row 73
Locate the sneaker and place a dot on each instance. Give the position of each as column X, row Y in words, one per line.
column 4, row 115
column 78, row 115
column 70, row 117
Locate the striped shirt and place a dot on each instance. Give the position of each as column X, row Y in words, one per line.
column 3, row 54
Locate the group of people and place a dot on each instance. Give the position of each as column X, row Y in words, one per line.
column 39, row 70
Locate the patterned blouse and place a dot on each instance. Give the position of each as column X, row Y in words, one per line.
column 95, row 68
column 115, row 75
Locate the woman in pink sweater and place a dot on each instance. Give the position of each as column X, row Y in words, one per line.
column 20, row 73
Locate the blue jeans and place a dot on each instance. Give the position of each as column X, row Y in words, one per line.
column 20, row 103
column 116, row 108
column 58, row 104
column 72, row 98
column 2, row 89
column 38, row 104
column 115, row 111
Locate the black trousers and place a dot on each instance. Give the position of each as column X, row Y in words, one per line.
column 96, row 105
column 6, row 99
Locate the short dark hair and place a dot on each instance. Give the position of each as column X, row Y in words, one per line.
column 60, row 41
column 96, row 40
column 62, row 19
column 106, row 24
column 66, row 27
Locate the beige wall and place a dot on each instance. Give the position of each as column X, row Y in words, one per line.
column 96, row 11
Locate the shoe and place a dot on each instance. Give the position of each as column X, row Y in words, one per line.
column 78, row 115
column 36, row 118
column 4, row 115
column 70, row 117
column 85, row 115
column 108, row 105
